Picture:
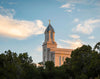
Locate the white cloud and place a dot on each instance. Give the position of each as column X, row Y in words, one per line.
column 72, row 44
column 59, row 45
column 39, row 48
column 72, row 4
column 80, row 1
column 19, row 29
column 91, row 37
column 69, row 10
column 66, row 5
column 75, row 36
column 7, row 12
column 69, row 7
column 76, row 20
column 88, row 26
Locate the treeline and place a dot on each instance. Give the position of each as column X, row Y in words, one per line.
column 83, row 64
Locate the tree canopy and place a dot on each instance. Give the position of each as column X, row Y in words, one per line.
column 83, row 64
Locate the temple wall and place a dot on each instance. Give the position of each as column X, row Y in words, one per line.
column 60, row 58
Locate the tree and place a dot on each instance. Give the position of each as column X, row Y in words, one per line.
column 49, row 65
column 9, row 65
column 49, row 70
column 82, row 62
column 13, row 66
column 97, row 47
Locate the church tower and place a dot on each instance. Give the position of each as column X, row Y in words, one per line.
column 50, row 50
column 48, row 43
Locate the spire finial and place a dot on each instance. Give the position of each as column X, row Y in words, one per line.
column 49, row 21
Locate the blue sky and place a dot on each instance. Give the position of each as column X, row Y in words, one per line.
column 22, row 24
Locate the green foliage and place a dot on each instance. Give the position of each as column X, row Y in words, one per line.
column 49, row 65
column 41, row 63
column 97, row 47
column 13, row 66
column 83, row 64
column 49, row 70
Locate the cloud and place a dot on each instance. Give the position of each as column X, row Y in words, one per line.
column 73, row 4
column 81, row 1
column 69, row 7
column 69, row 10
column 87, row 26
column 76, row 20
column 72, row 44
column 60, row 45
column 19, row 29
column 66, row 5
column 75, row 36
column 7, row 12
column 39, row 48
column 91, row 37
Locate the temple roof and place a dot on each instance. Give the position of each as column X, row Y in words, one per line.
column 49, row 28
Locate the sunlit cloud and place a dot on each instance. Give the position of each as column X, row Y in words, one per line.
column 76, row 20
column 69, row 7
column 66, row 5
column 72, row 44
column 91, row 37
column 69, row 10
column 74, row 36
column 39, row 48
column 19, row 29
column 7, row 12
column 87, row 26
column 61, row 45
column 88, row 2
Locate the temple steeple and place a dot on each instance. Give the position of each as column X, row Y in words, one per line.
column 49, row 21
column 49, row 42
column 49, row 34
column 49, row 28
column 50, row 50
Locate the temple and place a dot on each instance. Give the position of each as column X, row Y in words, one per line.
column 50, row 50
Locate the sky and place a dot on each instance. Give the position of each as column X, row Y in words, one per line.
column 23, row 22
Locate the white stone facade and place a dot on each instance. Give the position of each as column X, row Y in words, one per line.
column 50, row 50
